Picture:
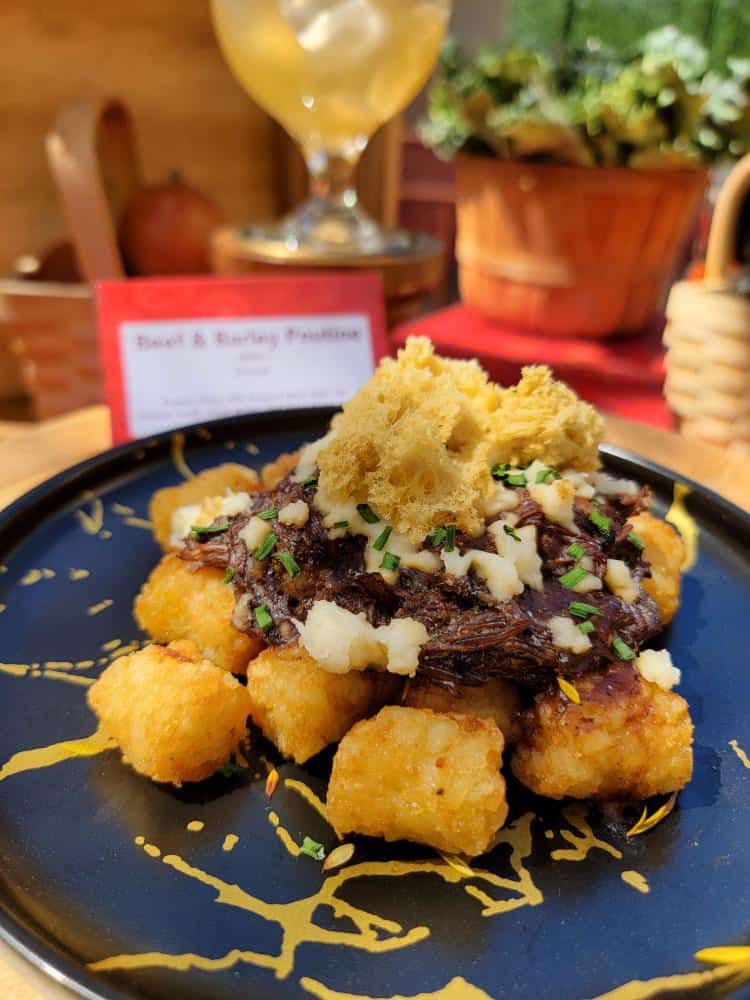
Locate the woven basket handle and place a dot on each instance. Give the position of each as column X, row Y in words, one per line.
column 93, row 158
column 724, row 224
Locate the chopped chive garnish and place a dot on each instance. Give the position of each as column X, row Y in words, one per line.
column 546, row 475
column 382, row 538
column 269, row 515
column 582, row 610
column 450, row 538
column 637, row 541
column 622, row 649
column 576, row 551
column 289, row 563
column 586, row 627
column 366, row 512
column 341, row 524
column 510, row 530
column 390, row 561
column 307, row 484
column 263, row 617
column 438, row 536
column 266, row 547
column 229, row 575
column 198, row 531
column 516, row 479
column 500, row 470
column 313, row 849
column 573, row 576
column 601, row 522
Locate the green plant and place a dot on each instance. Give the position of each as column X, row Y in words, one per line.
column 658, row 105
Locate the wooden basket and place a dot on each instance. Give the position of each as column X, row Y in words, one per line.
column 587, row 251
column 48, row 346
column 708, row 335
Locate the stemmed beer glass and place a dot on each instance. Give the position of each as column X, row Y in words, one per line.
column 331, row 72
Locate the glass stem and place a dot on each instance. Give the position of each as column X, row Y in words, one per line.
column 332, row 176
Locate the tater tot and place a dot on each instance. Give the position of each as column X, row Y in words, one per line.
column 183, row 600
column 497, row 700
column 414, row 774
column 272, row 474
column 665, row 550
column 210, row 483
column 300, row 707
column 627, row 740
column 175, row 716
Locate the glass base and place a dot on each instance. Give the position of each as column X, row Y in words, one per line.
column 321, row 230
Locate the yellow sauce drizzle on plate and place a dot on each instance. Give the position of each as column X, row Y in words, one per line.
column 96, row 609
column 55, row 753
column 456, row 989
column 584, row 840
column 678, row 516
column 636, row 880
column 740, row 753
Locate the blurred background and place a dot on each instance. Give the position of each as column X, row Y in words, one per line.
column 592, row 139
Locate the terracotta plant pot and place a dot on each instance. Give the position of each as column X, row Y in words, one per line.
column 571, row 250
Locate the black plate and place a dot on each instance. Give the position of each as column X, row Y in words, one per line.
column 76, row 888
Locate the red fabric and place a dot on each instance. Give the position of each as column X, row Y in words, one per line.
column 623, row 376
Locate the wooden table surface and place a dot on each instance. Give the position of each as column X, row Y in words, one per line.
column 30, row 453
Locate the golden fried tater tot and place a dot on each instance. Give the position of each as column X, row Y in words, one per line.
column 665, row 550
column 414, row 774
column 175, row 716
column 302, row 708
column 210, row 483
column 183, row 600
column 272, row 474
column 497, row 700
column 627, row 740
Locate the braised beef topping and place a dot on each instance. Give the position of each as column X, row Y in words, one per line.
column 471, row 636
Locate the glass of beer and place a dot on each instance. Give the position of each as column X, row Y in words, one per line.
column 331, row 72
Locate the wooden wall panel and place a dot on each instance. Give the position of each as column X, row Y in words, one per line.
column 161, row 57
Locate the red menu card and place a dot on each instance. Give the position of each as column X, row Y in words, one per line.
column 183, row 350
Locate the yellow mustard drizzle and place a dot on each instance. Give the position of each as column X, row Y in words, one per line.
column 305, row 792
column 730, row 977
column 457, row 989
column 178, row 456
column 55, row 753
column 35, row 575
column 740, row 753
column 92, row 521
column 96, row 609
column 678, row 516
column 372, row 932
column 584, row 840
column 636, row 881
column 284, row 835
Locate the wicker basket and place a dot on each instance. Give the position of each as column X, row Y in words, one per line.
column 571, row 250
column 708, row 335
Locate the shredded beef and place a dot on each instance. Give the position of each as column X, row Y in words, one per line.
column 471, row 636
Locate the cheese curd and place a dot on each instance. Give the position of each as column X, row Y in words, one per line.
column 567, row 635
column 296, row 514
column 204, row 513
column 499, row 573
column 620, row 581
column 523, row 554
column 656, row 665
column 339, row 641
column 254, row 532
column 555, row 498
